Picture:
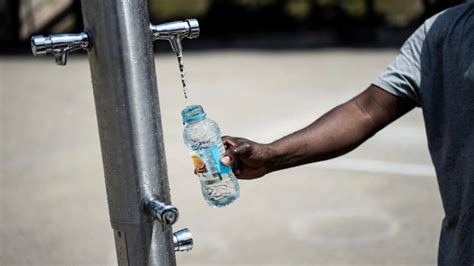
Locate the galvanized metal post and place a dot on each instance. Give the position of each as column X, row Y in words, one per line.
column 128, row 115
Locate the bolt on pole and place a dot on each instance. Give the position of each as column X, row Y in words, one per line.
column 131, row 136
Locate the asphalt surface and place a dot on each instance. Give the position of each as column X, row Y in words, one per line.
column 377, row 205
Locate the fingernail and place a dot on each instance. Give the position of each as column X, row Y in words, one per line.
column 225, row 160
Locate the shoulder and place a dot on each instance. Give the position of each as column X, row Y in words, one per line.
column 442, row 23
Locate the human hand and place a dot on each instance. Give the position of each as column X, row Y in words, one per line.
column 249, row 160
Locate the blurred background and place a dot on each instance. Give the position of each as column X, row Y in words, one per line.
column 261, row 69
column 248, row 23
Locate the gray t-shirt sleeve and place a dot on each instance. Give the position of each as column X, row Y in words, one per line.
column 402, row 77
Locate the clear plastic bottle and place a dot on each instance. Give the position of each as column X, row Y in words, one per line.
column 203, row 138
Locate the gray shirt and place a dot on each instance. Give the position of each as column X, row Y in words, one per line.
column 435, row 69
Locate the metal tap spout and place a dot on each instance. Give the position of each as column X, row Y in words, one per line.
column 164, row 213
column 183, row 240
column 175, row 31
column 59, row 45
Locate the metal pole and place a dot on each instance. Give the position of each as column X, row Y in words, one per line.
column 131, row 137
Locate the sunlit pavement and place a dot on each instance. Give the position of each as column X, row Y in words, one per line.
column 377, row 205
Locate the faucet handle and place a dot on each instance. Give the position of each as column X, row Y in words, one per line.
column 183, row 240
column 59, row 45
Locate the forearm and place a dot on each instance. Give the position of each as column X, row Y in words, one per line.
column 335, row 133
column 339, row 131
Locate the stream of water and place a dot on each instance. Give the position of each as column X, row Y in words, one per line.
column 183, row 76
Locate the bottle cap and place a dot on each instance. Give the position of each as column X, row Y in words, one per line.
column 193, row 113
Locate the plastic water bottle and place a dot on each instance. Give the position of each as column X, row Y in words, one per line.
column 203, row 138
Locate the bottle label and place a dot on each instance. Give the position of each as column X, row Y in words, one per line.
column 216, row 156
column 209, row 161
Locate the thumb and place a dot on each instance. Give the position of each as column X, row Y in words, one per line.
column 225, row 160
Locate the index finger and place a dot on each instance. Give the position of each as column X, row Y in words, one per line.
column 228, row 141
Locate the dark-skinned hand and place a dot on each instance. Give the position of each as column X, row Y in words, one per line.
column 249, row 160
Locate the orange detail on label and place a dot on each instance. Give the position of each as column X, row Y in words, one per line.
column 199, row 165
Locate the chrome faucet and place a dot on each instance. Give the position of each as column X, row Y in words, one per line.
column 168, row 214
column 60, row 45
column 183, row 240
column 164, row 213
column 175, row 31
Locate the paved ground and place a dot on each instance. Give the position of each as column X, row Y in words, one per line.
column 377, row 205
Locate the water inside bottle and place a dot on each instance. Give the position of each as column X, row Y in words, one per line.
column 219, row 193
column 219, row 187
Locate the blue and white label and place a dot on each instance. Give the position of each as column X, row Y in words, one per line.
column 216, row 156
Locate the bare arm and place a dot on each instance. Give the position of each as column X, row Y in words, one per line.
column 335, row 133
